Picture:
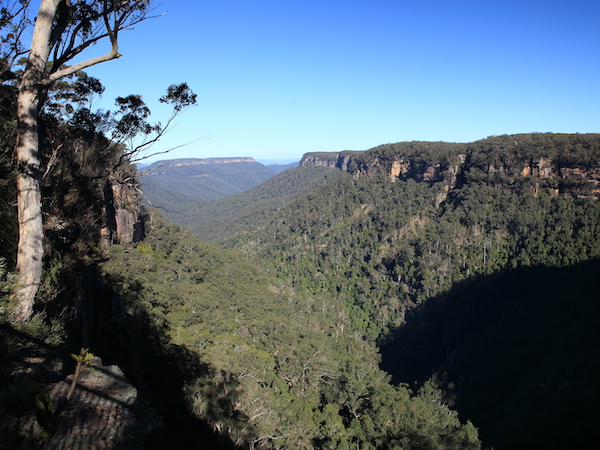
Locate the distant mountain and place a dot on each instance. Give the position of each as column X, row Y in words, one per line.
column 216, row 221
column 281, row 167
column 173, row 184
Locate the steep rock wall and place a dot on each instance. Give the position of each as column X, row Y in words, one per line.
column 452, row 164
column 197, row 161
column 124, row 215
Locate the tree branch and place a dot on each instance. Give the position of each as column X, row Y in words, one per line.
column 120, row 22
column 114, row 54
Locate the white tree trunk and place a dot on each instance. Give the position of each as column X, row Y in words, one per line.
column 29, row 197
column 114, row 17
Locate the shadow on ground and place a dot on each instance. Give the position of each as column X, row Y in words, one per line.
column 518, row 353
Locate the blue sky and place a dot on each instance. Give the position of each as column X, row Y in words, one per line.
column 277, row 79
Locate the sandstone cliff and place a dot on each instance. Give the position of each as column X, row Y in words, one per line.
column 198, row 161
column 124, row 215
column 567, row 164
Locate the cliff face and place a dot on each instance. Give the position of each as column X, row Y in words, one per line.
column 197, row 161
column 124, row 218
column 333, row 160
column 557, row 162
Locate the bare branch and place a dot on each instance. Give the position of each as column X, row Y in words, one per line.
column 14, row 21
column 52, row 160
column 133, row 122
column 122, row 19
column 114, row 54
column 162, row 152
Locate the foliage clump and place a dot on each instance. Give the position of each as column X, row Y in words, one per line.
column 382, row 247
column 279, row 369
column 457, row 259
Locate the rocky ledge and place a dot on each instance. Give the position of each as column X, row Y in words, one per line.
column 104, row 412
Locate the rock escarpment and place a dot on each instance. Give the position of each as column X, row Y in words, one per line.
column 199, row 161
column 124, row 214
column 564, row 164
column 104, row 412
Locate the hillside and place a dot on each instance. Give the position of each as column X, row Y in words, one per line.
column 217, row 221
column 408, row 222
column 467, row 271
column 515, row 351
column 221, row 353
column 264, row 365
column 174, row 184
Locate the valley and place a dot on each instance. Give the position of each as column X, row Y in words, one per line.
column 400, row 228
column 414, row 295
column 433, row 294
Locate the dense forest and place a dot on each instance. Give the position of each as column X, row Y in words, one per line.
column 274, row 368
column 227, row 355
column 402, row 235
column 474, row 279
column 223, row 352
column 471, row 269
column 417, row 295
column 218, row 221
column 175, row 184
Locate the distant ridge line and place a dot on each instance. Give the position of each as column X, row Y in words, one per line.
column 198, row 161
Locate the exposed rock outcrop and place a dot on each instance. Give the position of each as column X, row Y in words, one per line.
column 104, row 412
column 197, row 161
column 554, row 168
column 339, row 160
column 124, row 216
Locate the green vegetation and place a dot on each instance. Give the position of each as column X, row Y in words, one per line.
column 82, row 360
column 382, row 248
column 472, row 266
column 219, row 220
column 358, row 255
column 23, row 397
column 384, row 244
column 350, row 241
column 174, row 185
column 447, row 256
column 516, row 352
column 280, row 369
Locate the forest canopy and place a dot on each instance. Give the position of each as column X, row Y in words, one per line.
column 281, row 369
column 440, row 254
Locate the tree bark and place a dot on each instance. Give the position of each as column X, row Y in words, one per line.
column 29, row 198
column 32, row 89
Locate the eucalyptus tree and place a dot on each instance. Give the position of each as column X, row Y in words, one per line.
column 63, row 31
